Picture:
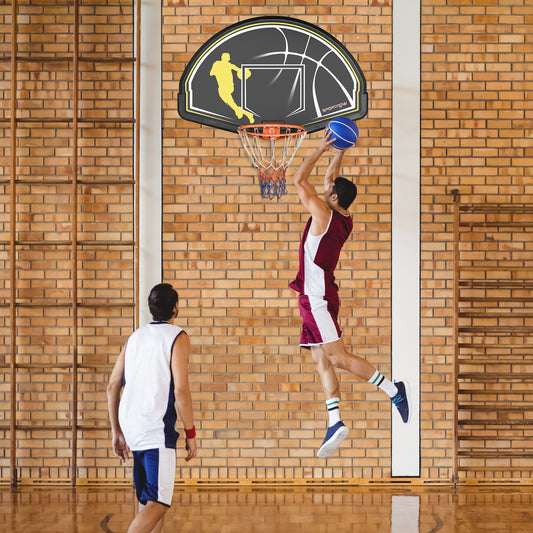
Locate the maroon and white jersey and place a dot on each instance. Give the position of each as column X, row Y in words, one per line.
column 319, row 256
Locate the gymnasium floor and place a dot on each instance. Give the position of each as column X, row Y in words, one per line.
column 468, row 509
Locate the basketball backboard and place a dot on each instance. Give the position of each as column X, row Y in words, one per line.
column 272, row 69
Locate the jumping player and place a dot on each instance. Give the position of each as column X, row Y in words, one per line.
column 152, row 369
column 327, row 230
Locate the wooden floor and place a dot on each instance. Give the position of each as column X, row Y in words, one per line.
column 342, row 510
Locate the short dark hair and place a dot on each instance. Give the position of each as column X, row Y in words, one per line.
column 346, row 191
column 162, row 300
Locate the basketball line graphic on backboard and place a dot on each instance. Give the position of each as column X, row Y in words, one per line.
column 272, row 69
column 291, row 76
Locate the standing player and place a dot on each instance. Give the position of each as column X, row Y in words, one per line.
column 152, row 369
column 326, row 232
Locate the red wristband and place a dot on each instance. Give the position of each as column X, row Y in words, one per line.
column 190, row 433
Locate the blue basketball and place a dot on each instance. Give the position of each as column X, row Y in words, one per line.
column 345, row 132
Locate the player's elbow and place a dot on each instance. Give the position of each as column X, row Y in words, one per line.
column 113, row 388
column 300, row 184
column 182, row 395
column 298, row 178
column 109, row 390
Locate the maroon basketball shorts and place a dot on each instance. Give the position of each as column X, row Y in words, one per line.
column 319, row 317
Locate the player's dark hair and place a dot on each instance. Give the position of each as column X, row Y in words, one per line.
column 346, row 191
column 162, row 301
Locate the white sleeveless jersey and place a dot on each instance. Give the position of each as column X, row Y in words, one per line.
column 147, row 413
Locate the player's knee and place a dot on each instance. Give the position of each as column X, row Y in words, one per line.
column 322, row 364
column 339, row 361
column 335, row 358
column 157, row 509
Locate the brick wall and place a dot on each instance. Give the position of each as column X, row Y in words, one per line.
column 259, row 405
column 232, row 255
column 44, row 316
column 476, row 127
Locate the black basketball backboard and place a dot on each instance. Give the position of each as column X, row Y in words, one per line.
column 272, row 69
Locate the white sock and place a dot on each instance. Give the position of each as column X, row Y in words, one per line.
column 384, row 384
column 333, row 410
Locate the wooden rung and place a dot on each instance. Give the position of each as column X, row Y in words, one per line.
column 489, row 437
column 105, row 243
column 67, row 59
column 43, row 366
column 59, row 182
column 70, row 120
column 496, row 224
column 497, row 468
column 105, row 120
column 56, row 182
column 96, row 59
column 496, row 345
column 87, row 304
column 48, row 120
column 82, row 425
column 107, row 304
column 68, row 242
column 44, row 427
column 490, row 407
column 496, row 208
column 498, row 330
column 495, row 423
column 487, row 268
column 495, row 300
column 498, row 392
column 66, row 304
column 67, row 366
column 506, row 313
column 496, row 284
column 493, row 375
column 95, row 183
column 37, row 58
column 497, row 361
column 495, row 358
column 499, row 453
column 59, row 305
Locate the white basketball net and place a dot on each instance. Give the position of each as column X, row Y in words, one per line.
column 271, row 149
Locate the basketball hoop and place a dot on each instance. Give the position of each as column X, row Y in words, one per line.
column 271, row 147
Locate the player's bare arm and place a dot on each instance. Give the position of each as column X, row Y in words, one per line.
column 316, row 206
column 120, row 448
column 334, row 169
column 182, row 391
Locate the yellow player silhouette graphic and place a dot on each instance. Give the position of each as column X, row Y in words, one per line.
column 223, row 72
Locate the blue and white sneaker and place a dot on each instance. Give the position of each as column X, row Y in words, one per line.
column 400, row 400
column 334, row 436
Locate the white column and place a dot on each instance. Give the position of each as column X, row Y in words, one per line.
column 150, row 209
column 406, row 229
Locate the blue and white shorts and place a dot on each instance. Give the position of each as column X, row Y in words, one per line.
column 154, row 473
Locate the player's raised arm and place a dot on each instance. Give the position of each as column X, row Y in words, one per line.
column 306, row 192
column 334, row 169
